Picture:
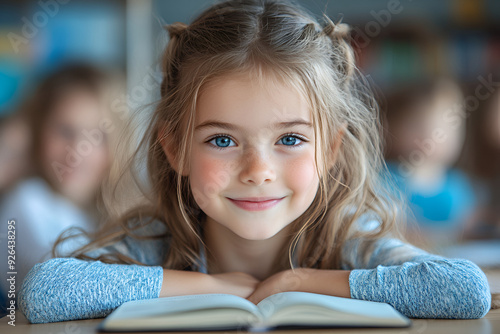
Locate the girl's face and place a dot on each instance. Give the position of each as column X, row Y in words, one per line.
column 429, row 129
column 66, row 142
column 252, row 166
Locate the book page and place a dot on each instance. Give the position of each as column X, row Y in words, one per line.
column 179, row 304
column 207, row 319
column 298, row 307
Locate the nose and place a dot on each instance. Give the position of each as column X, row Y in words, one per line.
column 257, row 169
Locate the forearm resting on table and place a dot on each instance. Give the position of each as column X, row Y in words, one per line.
column 327, row 282
column 323, row 281
column 180, row 282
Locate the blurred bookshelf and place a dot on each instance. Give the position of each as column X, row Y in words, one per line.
column 36, row 37
column 460, row 39
column 419, row 38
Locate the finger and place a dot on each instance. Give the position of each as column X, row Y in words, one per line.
column 256, row 297
column 251, row 298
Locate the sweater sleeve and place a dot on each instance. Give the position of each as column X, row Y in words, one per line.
column 414, row 282
column 62, row 289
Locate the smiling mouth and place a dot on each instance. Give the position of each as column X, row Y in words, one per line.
column 255, row 204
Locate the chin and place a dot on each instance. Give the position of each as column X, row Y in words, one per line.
column 259, row 234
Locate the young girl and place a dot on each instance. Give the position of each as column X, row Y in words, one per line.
column 69, row 157
column 263, row 162
column 482, row 160
column 426, row 135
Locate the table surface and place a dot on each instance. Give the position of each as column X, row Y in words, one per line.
column 489, row 324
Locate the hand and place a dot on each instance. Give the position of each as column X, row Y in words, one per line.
column 236, row 283
column 286, row 280
column 321, row 281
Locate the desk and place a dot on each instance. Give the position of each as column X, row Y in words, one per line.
column 494, row 281
column 490, row 324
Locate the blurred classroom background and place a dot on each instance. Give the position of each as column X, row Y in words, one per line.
column 434, row 67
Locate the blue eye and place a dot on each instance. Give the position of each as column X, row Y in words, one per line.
column 221, row 141
column 224, row 141
column 290, row 140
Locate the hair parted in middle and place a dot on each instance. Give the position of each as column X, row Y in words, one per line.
column 271, row 40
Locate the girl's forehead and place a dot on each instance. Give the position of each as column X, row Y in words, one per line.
column 243, row 100
column 79, row 107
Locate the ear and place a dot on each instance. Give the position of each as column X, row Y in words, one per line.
column 166, row 142
column 335, row 146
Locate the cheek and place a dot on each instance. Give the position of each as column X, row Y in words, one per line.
column 53, row 148
column 98, row 160
column 300, row 174
column 208, row 176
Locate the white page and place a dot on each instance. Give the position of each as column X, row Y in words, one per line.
column 178, row 304
column 360, row 308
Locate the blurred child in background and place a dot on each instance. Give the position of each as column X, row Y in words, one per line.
column 14, row 147
column 483, row 162
column 425, row 135
column 14, row 143
column 71, row 125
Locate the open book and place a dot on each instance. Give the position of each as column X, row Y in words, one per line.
column 285, row 310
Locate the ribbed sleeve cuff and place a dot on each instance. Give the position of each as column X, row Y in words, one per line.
column 68, row 289
column 363, row 284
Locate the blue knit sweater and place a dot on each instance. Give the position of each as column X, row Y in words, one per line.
column 414, row 282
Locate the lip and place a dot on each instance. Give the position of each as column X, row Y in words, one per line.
column 256, row 203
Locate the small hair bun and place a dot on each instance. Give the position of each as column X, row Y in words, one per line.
column 176, row 29
column 339, row 34
column 339, row 30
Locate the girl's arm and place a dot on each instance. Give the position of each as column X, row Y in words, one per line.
column 416, row 283
column 63, row 289
column 36, row 217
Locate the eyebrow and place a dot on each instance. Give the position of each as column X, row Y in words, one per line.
column 229, row 126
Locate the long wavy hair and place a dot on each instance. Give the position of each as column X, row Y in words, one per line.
column 274, row 40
